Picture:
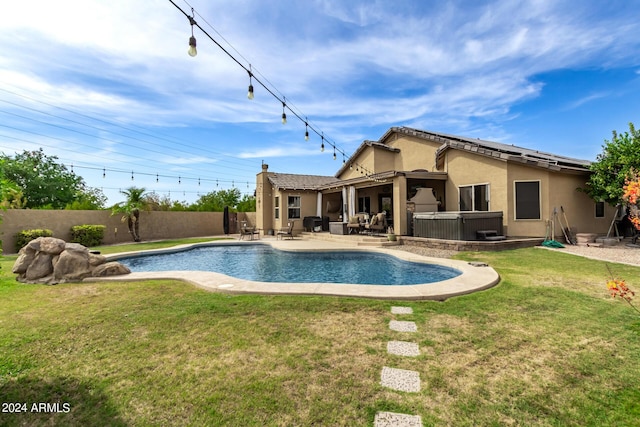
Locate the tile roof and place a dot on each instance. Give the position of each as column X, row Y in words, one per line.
column 495, row 149
column 288, row 181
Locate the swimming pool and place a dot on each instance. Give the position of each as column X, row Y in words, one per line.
column 263, row 263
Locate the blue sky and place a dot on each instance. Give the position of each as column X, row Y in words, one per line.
column 108, row 86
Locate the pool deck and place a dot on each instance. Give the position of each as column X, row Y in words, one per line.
column 473, row 278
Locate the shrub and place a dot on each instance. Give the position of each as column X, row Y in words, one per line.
column 25, row 236
column 87, row 235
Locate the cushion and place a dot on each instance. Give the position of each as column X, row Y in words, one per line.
column 381, row 218
column 374, row 220
column 354, row 220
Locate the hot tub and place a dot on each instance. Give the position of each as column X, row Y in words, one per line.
column 455, row 225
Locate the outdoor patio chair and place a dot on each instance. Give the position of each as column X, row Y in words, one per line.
column 353, row 224
column 286, row 231
column 378, row 223
column 247, row 230
column 357, row 223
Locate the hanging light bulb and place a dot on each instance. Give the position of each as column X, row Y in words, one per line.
column 334, row 153
column 284, row 115
column 192, row 47
column 192, row 40
column 322, row 145
column 250, row 92
column 306, row 131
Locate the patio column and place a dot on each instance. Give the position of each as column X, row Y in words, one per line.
column 352, row 200
column 400, row 205
column 319, row 205
column 345, row 212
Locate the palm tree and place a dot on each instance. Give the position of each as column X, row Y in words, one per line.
column 130, row 209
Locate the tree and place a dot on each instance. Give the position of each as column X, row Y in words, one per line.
column 215, row 201
column 247, row 204
column 130, row 209
column 90, row 199
column 44, row 183
column 618, row 159
column 157, row 202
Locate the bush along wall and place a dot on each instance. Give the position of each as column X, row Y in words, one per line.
column 87, row 235
column 25, row 236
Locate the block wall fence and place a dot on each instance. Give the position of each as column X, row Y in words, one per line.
column 154, row 225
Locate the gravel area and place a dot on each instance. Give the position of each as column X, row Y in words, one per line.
column 623, row 252
column 620, row 253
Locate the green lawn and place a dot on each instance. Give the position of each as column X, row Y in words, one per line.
column 547, row 347
column 145, row 246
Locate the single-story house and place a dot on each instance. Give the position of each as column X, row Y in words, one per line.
column 459, row 174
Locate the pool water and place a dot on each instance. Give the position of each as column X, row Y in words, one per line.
column 265, row 264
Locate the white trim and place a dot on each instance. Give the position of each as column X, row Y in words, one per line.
column 473, row 195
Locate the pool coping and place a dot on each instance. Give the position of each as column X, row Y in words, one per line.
column 474, row 277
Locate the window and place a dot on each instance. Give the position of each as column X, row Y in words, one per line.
column 474, row 197
column 599, row 209
column 277, row 207
column 527, row 199
column 364, row 204
column 294, row 207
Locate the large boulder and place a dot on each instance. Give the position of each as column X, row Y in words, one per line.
column 49, row 245
column 25, row 258
column 110, row 269
column 72, row 265
column 41, row 266
column 51, row 261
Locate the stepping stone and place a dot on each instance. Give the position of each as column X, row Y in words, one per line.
column 403, row 348
column 401, row 310
column 400, row 379
column 402, row 326
column 393, row 419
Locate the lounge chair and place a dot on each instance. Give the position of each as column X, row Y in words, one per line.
column 378, row 223
column 286, row 231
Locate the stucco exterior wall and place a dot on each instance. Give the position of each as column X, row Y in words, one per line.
column 153, row 225
column 414, row 154
column 308, row 207
column 464, row 169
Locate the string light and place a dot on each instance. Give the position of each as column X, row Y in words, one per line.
column 268, row 89
column 334, row 153
column 284, row 115
column 322, row 145
column 192, row 40
column 306, row 130
column 250, row 92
